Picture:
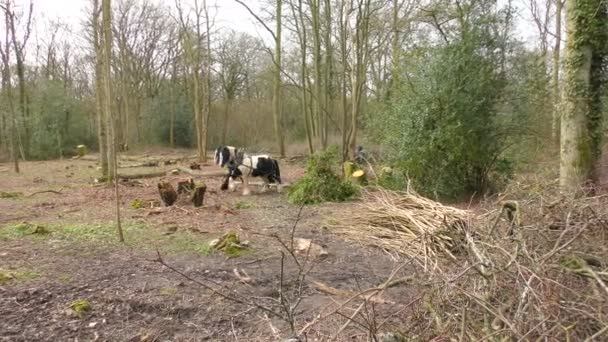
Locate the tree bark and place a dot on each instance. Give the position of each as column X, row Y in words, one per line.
column 318, row 80
column 344, row 61
column 6, row 84
column 276, row 97
column 328, row 91
column 19, row 56
column 301, row 27
column 107, row 106
column 198, row 195
column 556, row 66
column 101, row 118
column 581, row 120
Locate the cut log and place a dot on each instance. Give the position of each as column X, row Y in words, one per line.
column 185, row 186
column 143, row 175
column 358, row 177
column 212, row 173
column 198, row 195
column 167, row 193
column 152, row 163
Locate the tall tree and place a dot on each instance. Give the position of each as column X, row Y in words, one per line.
column 559, row 5
column 300, row 29
column 192, row 39
column 360, row 41
column 99, row 89
column 234, row 57
column 277, row 85
column 7, row 87
column 106, row 10
column 581, row 121
column 277, row 114
column 19, row 50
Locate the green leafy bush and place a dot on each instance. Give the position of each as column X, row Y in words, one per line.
column 321, row 182
column 449, row 124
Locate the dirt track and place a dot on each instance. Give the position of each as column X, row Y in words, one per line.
column 135, row 298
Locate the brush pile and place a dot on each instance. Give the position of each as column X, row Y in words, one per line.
column 405, row 222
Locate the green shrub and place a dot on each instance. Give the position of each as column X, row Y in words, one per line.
column 395, row 180
column 321, row 182
column 449, row 124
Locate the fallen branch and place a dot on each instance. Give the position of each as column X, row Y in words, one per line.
column 58, row 192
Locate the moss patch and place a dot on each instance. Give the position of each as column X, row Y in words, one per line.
column 137, row 203
column 81, row 307
column 15, row 275
column 230, row 244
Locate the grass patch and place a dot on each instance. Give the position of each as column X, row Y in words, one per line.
column 243, row 205
column 18, row 274
column 137, row 235
column 205, row 249
column 168, row 291
column 8, row 194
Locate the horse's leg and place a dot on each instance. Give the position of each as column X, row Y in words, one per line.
column 265, row 185
column 231, row 184
column 246, row 190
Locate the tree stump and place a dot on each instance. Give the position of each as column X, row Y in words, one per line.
column 348, row 167
column 198, row 195
column 167, row 193
column 358, row 177
column 195, row 166
column 81, row 150
column 224, row 185
column 185, row 186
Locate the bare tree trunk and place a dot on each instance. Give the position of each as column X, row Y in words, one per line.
column 227, row 107
column 207, row 111
column 107, row 94
column 101, row 118
column 19, row 56
column 581, row 129
column 107, row 104
column 327, row 74
column 6, row 85
column 173, row 105
column 276, row 97
column 556, row 66
column 318, row 80
column 360, row 42
column 344, row 8
column 301, row 31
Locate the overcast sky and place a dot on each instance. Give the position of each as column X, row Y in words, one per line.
column 228, row 14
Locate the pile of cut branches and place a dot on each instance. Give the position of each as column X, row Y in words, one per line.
column 405, row 222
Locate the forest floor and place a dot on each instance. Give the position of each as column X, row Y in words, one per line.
column 60, row 248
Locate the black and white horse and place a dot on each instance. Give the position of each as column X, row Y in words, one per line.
column 254, row 166
column 225, row 155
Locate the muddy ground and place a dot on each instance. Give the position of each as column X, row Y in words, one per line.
column 58, row 248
